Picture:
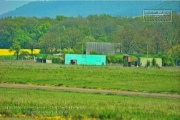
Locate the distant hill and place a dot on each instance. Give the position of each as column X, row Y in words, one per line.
column 85, row 8
column 173, row 5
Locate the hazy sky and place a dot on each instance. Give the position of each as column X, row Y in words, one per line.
column 9, row 5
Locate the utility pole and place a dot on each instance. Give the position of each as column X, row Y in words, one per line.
column 147, row 49
column 82, row 44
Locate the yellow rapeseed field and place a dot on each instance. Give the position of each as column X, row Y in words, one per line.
column 6, row 52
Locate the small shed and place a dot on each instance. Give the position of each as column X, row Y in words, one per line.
column 127, row 61
column 143, row 61
column 81, row 59
column 41, row 60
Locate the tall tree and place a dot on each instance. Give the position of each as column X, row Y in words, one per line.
column 32, row 44
column 49, row 42
column 71, row 37
column 174, row 53
column 127, row 38
column 16, row 47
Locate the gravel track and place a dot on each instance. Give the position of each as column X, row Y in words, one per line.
column 83, row 90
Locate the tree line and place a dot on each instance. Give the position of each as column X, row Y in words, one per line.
column 131, row 35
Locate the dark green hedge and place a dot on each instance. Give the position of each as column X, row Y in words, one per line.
column 58, row 60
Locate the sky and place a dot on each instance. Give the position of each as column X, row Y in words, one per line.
column 10, row 5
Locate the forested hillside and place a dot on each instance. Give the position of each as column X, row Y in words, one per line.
column 71, row 8
column 85, row 8
column 51, row 35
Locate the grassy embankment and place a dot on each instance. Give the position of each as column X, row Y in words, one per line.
column 164, row 80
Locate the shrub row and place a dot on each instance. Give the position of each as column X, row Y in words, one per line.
column 58, row 60
column 116, row 59
column 119, row 58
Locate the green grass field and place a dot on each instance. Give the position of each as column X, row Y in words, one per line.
column 55, row 104
column 41, row 103
column 164, row 80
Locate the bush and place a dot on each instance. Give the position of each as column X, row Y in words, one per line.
column 133, row 58
column 24, row 54
column 167, row 61
column 95, row 53
column 58, row 60
column 148, row 63
column 67, row 51
column 49, row 57
column 154, row 62
column 125, row 63
column 114, row 58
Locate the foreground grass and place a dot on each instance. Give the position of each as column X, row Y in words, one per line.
column 41, row 104
column 164, row 80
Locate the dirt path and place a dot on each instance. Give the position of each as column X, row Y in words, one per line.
column 128, row 93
